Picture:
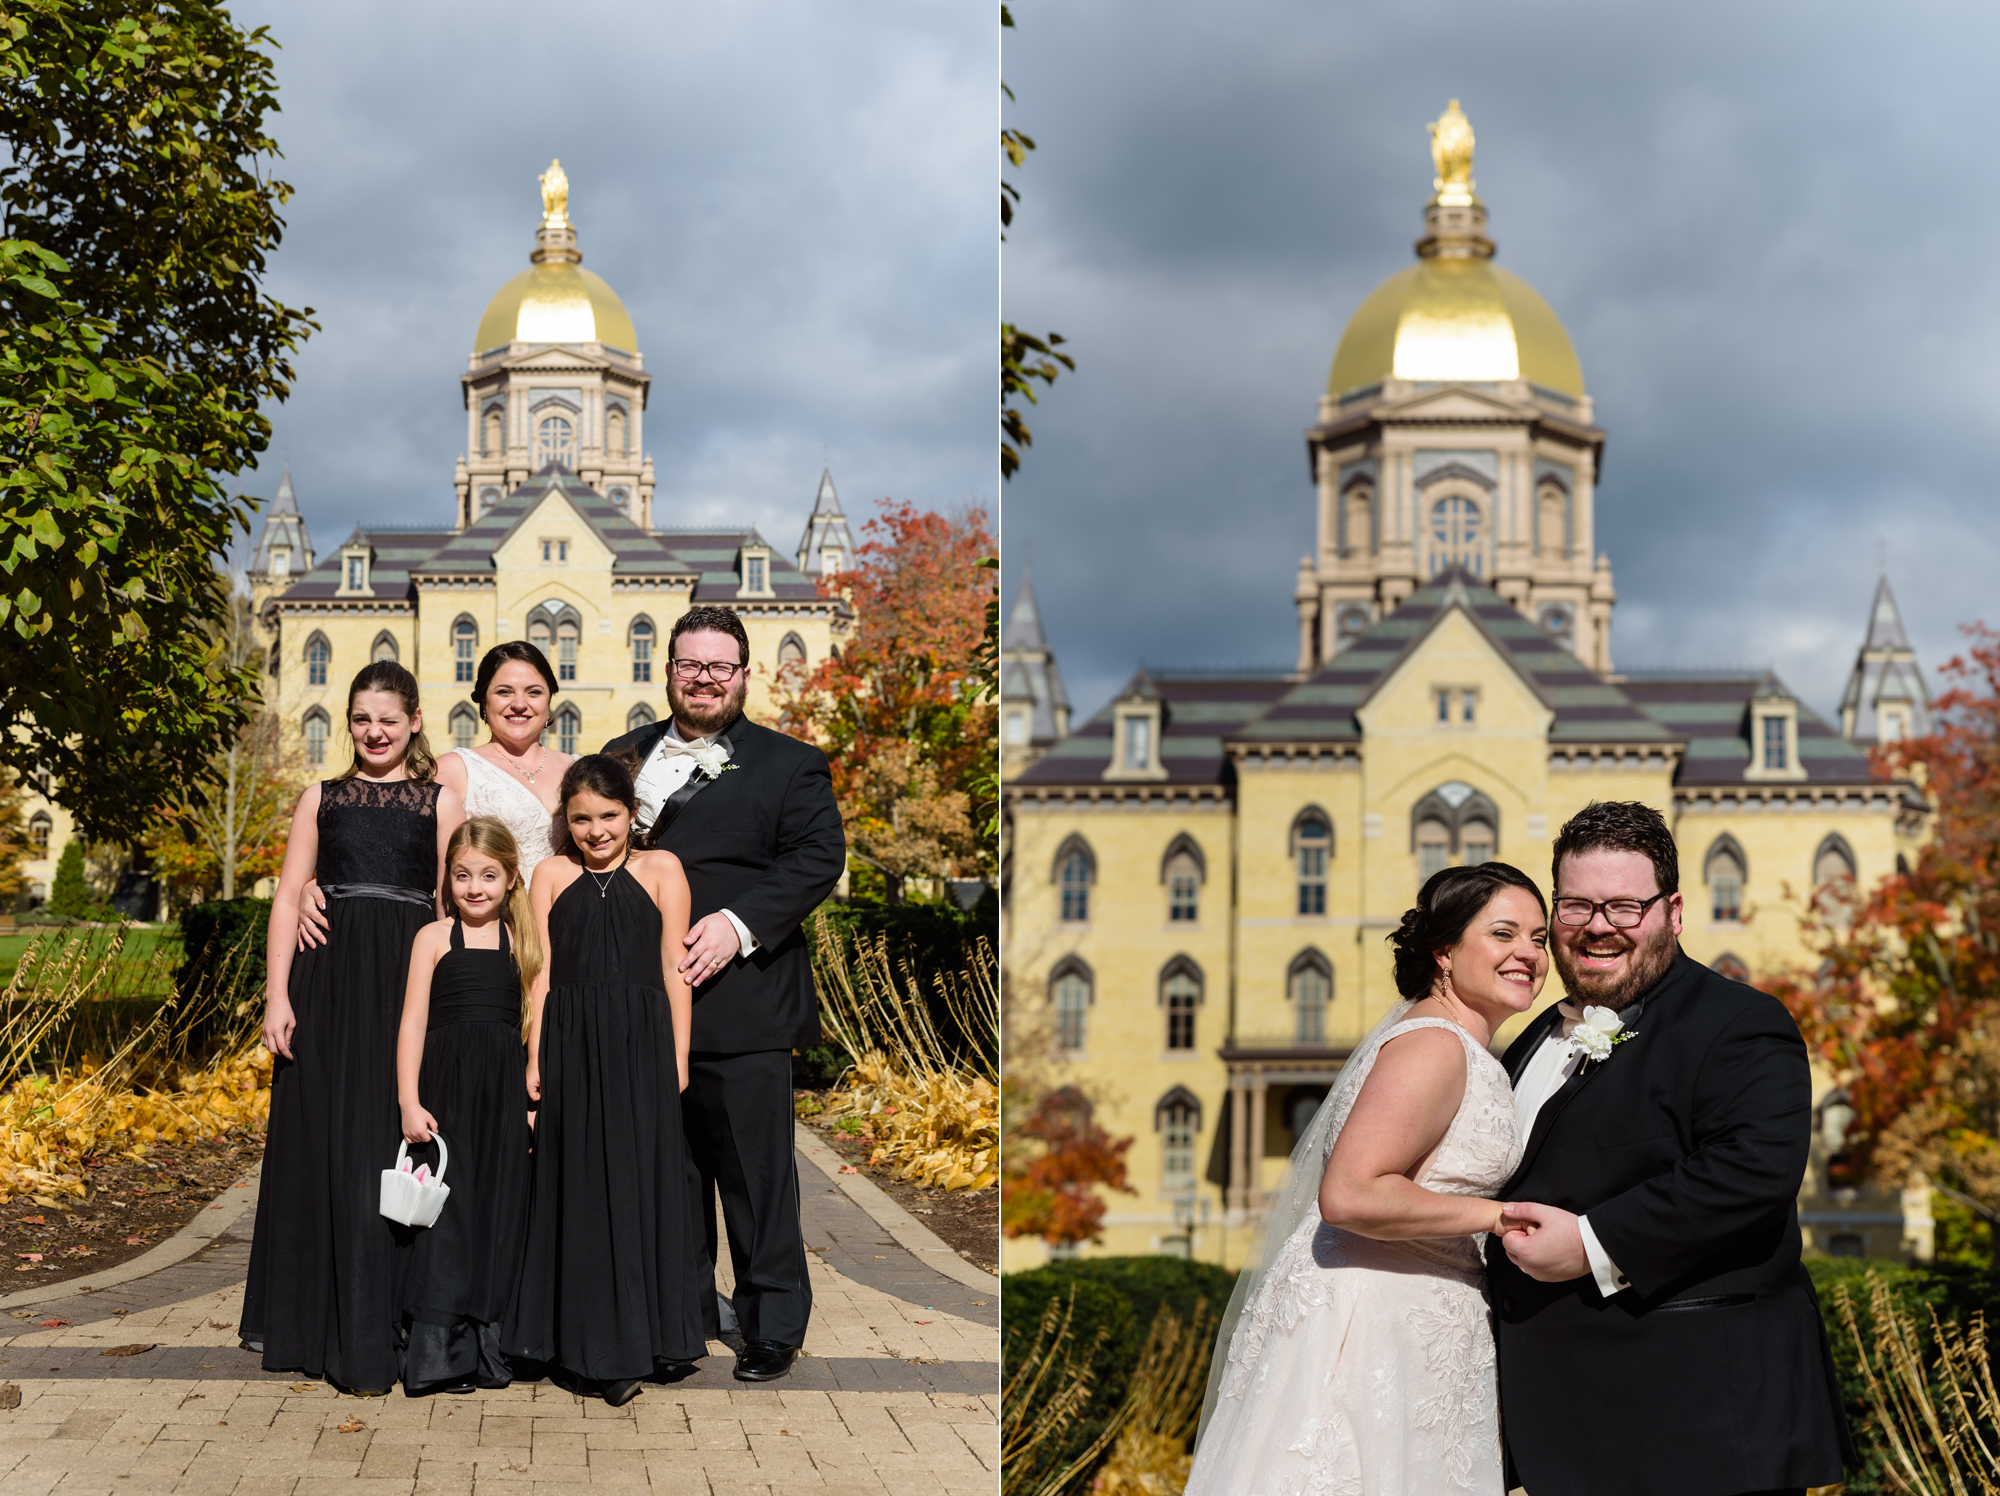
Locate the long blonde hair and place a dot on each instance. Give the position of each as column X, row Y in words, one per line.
column 485, row 834
column 386, row 675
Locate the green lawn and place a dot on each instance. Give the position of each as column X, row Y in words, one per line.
column 144, row 966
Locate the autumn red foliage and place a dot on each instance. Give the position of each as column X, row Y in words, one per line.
column 1904, row 1004
column 1055, row 1159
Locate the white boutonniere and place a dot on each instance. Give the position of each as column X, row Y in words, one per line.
column 712, row 759
column 1600, row 1030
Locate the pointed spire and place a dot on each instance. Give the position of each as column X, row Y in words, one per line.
column 1886, row 696
column 287, row 501
column 827, row 504
column 1024, row 619
column 827, row 546
column 1885, row 622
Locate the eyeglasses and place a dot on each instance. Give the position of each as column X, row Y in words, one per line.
column 1622, row 914
column 718, row 671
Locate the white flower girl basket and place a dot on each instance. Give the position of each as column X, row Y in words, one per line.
column 414, row 1199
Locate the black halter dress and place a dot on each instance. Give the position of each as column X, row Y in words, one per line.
column 322, row 1296
column 608, row 1280
column 474, row 1081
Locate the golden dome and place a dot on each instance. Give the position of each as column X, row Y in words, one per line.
column 1455, row 315
column 1444, row 319
column 555, row 300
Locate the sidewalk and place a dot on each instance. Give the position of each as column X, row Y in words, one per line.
column 897, row 1391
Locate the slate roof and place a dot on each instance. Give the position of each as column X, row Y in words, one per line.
column 707, row 556
column 1709, row 713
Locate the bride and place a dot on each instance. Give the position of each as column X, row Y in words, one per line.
column 1357, row 1354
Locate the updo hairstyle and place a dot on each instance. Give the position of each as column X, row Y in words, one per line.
column 1446, row 907
column 500, row 654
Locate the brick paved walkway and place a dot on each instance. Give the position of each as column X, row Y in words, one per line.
column 897, row 1392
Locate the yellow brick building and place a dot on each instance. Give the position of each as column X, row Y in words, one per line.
column 552, row 539
column 1201, row 877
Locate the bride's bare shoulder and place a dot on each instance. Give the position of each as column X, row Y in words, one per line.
column 1421, row 1052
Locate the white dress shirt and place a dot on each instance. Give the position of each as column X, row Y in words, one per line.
column 658, row 778
column 1554, row 1061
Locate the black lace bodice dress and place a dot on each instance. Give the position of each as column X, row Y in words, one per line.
column 614, row 1239
column 474, row 1082
column 323, row 1293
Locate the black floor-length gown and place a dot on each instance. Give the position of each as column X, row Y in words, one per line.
column 614, row 1239
column 474, row 1081
column 322, row 1296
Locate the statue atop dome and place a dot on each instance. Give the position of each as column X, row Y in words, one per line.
column 1451, row 150
column 555, row 191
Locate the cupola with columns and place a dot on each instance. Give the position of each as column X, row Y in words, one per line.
column 1455, row 431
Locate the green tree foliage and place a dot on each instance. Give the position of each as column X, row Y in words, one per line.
column 1024, row 358
column 136, row 349
column 70, row 893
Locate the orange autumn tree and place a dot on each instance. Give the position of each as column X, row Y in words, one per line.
column 905, row 711
column 1054, row 1158
column 1903, row 1006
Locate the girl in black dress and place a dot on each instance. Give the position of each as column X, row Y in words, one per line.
column 458, row 1073
column 614, row 1240
column 322, row 1293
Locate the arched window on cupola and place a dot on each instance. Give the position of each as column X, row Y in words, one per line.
column 1357, row 519
column 493, row 432
column 1458, row 534
column 555, row 441
column 1075, row 872
column 614, row 431
column 1551, row 519
column 1725, row 870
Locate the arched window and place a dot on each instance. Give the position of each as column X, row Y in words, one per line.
column 492, row 433
column 1834, row 863
column 317, row 726
column 1070, row 996
column 1309, row 986
column 1433, row 849
column 464, row 726
column 465, row 651
column 614, row 431
column 555, row 441
column 1075, row 871
column 384, row 647
column 1312, row 848
column 1727, row 965
column 1454, row 822
column 641, row 636
column 640, row 716
column 791, row 653
column 1357, row 520
column 1456, row 537
column 569, row 726
column 319, row 654
column 1177, row 1118
column 568, row 633
column 1183, row 869
column 1475, row 838
column 1551, row 519
column 621, row 500
column 40, row 828
column 1180, row 996
column 542, row 634
column 1725, row 870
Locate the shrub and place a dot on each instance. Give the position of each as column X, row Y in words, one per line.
column 69, row 894
column 1121, row 1295
column 222, row 941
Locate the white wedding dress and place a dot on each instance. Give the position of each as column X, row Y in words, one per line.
column 1359, row 1367
column 491, row 791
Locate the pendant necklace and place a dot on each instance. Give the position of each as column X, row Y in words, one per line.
column 603, row 887
column 529, row 774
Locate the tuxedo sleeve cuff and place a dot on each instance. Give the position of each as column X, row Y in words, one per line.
column 743, row 935
column 1602, row 1268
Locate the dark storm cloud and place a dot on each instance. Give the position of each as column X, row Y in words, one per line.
column 794, row 201
column 1768, row 229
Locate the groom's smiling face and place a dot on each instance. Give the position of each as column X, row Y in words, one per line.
column 1599, row 963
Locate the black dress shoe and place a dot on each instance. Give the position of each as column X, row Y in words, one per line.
column 764, row 1360
column 617, row 1394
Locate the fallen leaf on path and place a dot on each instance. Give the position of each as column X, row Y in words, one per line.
column 34, row 1220
column 352, row 1426
column 216, row 1324
column 29, row 1256
column 125, row 1350
column 50, row 1324
column 849, row 1169
column 302, row 1386
column 10, row 1396
column 135, row 1241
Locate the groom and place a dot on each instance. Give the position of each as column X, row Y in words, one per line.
column 751, row 815
column 1657, row 1334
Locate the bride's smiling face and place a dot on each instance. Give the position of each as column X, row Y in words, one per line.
column 517, row 703
column 1502, row 959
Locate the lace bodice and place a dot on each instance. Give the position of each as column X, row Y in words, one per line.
column 382, row 832
column 491, row 791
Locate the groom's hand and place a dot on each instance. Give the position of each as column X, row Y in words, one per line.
column 1549, row 1248
column 712, row 945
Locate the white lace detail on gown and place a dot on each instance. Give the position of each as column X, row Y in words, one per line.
column 1364, row 1366
column 491, row 791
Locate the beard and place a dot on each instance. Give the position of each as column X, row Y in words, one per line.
column 708, row 715
column 1649, row 962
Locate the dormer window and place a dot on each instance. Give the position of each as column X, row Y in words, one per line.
column 1774, row 737
column 830, row 560
column 1137, row 721
column 753, row 573
column 1776, row 755
column 354, row 569
column 754, row 568
column 281, row 560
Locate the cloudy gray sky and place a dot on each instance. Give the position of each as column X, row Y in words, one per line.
column 794, row 200
column 1767, row 227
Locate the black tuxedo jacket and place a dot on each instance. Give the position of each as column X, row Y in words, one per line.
column 764, row 841
column 1711, row 1374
